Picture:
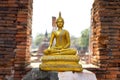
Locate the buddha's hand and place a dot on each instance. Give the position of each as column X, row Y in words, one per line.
column 58, row 48
column 49, row 48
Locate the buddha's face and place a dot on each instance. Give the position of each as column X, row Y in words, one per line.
column 60, row 23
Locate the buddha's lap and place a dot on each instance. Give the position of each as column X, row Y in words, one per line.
column 54, row 50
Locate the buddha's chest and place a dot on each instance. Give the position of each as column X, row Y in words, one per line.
column 60, row 34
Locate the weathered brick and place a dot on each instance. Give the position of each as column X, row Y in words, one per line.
column 106, row 22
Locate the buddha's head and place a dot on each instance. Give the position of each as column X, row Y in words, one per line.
column 60, row 21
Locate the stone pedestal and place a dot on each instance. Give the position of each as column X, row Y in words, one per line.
column 69, row 75
column 36, row 74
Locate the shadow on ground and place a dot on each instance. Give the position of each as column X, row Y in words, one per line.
column 37, row 74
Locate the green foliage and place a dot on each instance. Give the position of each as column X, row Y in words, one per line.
column 75, row 42
column 38, row 39
column 84, row 39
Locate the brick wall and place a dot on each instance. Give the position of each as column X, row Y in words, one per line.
column 15, row 37
column 105, row 39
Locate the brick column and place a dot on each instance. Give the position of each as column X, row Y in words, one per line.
column 8, row 30
column 15, row 37
column 105, row 38
column 23, row 38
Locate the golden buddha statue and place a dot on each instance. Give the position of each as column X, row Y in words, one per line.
column 60, row 57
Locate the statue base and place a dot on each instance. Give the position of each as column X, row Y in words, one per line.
column 61, row 67
column 60, row 63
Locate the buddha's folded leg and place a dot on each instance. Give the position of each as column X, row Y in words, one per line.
column 51, row 51
column 68, row 52
column 55, row 51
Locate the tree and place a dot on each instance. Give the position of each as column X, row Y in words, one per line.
column 84, row 39
column 75, row 42
column 38, row 39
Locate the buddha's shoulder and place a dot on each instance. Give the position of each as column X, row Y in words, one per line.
column 53, row 32
column 65, row 30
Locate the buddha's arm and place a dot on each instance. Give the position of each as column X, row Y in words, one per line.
column 51, row 39
column 68, row 40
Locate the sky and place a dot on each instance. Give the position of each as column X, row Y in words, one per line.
column 76, row 14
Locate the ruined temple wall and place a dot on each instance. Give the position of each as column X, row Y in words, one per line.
column 15, row 37
column 105, row 39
